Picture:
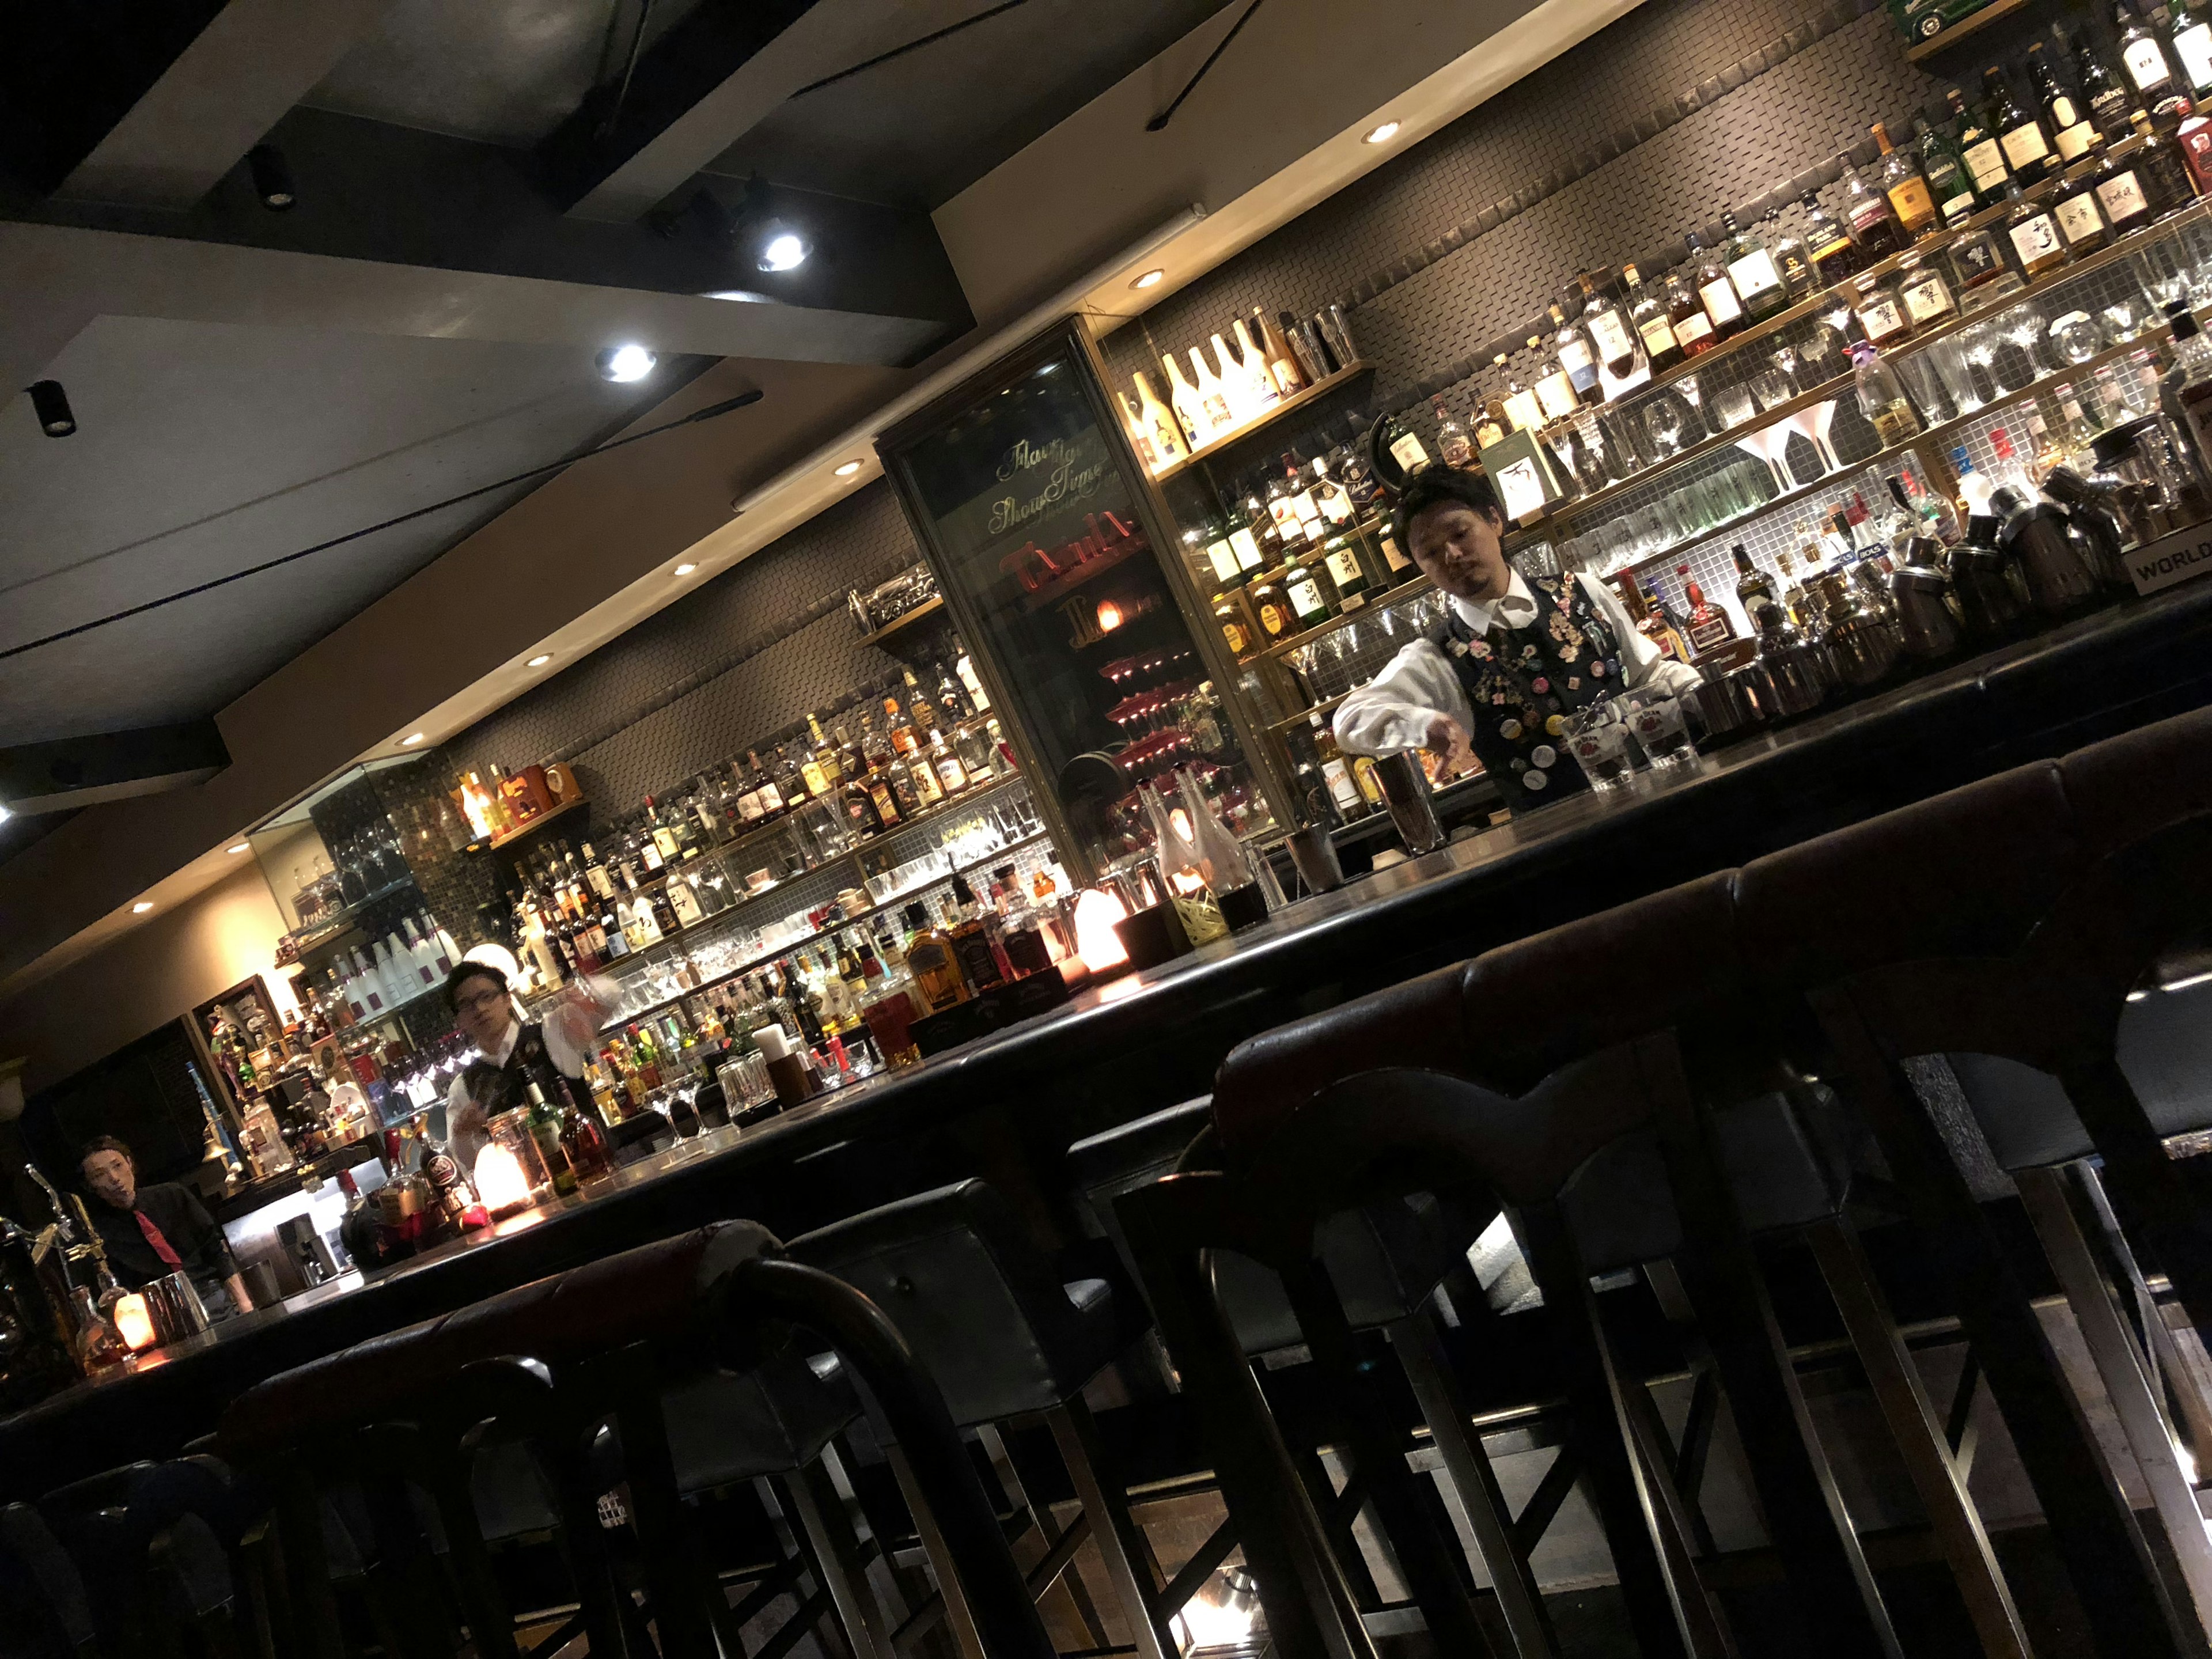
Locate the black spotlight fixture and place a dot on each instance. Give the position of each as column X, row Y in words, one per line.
column 51, row 406
column 272, row 177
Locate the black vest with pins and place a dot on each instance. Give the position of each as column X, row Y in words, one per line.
column 1524, row 686
column 499, row 1089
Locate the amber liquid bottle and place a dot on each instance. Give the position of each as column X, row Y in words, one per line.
column 932, row 960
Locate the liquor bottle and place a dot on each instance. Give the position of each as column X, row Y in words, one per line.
column 1908, row 193
column 1610, row 331
column 1927, row 297
column 1490, row 425
column 1281, row 363
column 1751, row 271
column 1334, row 500
column 2149, row 71
column 1132, row 423
column 1948, row 185
column 2068, row 123
column 1754, row 590
column 1880, row 309
column 1881, row 398
column 1335, row 771
column 545, row 1121
column 1555, row 390
column 1647, row 310
column 1290, row 505
column 1404, row 447
column 2120, row 194
column 930, row 960
column 1263, row 391
column 1867, row 211
column 2036, row 243
column 1452, row 441
column 1229, row 379
column 1716, row 293
column 1834, row 254
column 772, row 802
column 2105, row 93
column 1653, row 626
column 1313, row 363
column 1169, row 440
column 1189, row 409
column 2190, row 39
column 1215, row 558
column 1710, row 627
column 2027, row 149
column 951, row 772
column 2074, row 205
column 1214, row 408
column 1573, row 348
column 1251, row 537
column 1686, row 313
column 1339, row 557
column 2165, row 177
column 1271, row 607
column 2187, row 386
column 1307, row 585
column 1980, row 148
column 975, row 937
column 1523, row 412
column 921, row 770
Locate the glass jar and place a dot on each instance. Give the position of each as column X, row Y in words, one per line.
column 1926, row 296
column 509, row 1174
column 1880, row 311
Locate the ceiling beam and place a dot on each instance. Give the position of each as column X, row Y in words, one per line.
column 254, row 61
column 73, row 772
column 656, row 150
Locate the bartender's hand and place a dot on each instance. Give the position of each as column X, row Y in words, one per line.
column 467, row 1119
column 235, row 1284
column 1446, row 739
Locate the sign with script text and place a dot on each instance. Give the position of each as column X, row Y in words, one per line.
column 2156, row 565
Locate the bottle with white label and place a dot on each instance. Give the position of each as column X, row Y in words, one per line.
column 1237, row 383
column 1928, row 298
column 1611, row 333
column 1265, row 393
column 1751, row 271
column 1291, row 503
column 1215, row 410
column 1403, row 446
column 1210, row 544
column 1948, row 185
column 1576, row 359
column 1716, row 293
column 1880, row 311
column 2027, row 149
column 1250, row 534
column 2120, row 194
column 1339, row 557
column 2068, row 123
column 2036, row 242
column 2191, row 37
column 2074, row 205
column 1555, row 390
column 2144, row 62
column 1979, row 149
column 1333, row 500
column 1307, row 584
column 1523, row 412
column 1647, row 312
column 1182, row 396
column 1161, row 426
column 1907, row 192
column 1452, row 441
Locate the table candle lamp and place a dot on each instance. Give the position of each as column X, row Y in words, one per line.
column 134, row 1323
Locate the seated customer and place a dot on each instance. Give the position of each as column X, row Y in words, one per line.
column 150, row 1231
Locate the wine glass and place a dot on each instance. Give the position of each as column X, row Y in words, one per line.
column 1686, row 388
column 1662, row 419
column 1785, row 359
column 2022, row 328
column 2076, row 338
column 2124, row 318
column 2167, row 271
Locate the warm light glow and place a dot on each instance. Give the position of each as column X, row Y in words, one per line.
column 1109, row 616
column 1187, row 883
column 540, row 660
column 133, row 1323
column 412, row 740
column 685, row 569
column 1096, row 942
column 1179, row 821
column 241, row 846
column 501, row 1183
column 1382, row 135
column 141, row 907
column 848, row 469
column 494, row 956
column 1224, row 1617
column 1152, row 278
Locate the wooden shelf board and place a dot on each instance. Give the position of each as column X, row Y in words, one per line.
column 1276, row 411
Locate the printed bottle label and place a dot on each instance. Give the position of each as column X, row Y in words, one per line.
column 2038, row 239
column 1306, row 596
column 1343, row 568
column 1693, row 329
column 1927, row 300
column 1912, row 202
column 1985, row 162
column 1612, row 341
column 2146, row 65
column 1753, row 275
column 2122, row 197
column 1223, row 557
column 2078, row 218
column 1721, row 304
column 2074, row 140
column 1246, row 546
column 1406, row 449
column 1658, row 335
column 1882, row 318
column 2024, row 146
column 2194, row 47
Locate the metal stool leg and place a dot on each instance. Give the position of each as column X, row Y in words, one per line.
column 1113, row 1529
column 823, row 1516
column 956, row 1614
column 1920, row 1437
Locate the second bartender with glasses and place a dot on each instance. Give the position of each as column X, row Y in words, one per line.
column 1500, row 679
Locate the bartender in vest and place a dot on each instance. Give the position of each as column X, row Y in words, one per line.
column 152, row 1231
column 510, row 1056
column 1500, row 679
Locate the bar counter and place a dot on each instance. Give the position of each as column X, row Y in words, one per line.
column 1007, row 1106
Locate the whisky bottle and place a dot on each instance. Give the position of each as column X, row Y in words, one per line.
column 1339, row 557
column 1910, row 197
column 1716, row 293
column 2033, row 234
column 1752, row 270
column 1948, row 185
column 2104, row 93
column 1334, row 500
column 927, row 788
column 1404, row 447
column 2027, row 149
column 1980, row 148
column 1573, row 348
column 1793, row 261
column 2143, row 61
column 1686, row 314
column 1452, row 441
column 2074, row 205
column 1307, row 585
column 2189, row 37
column 1271, row 607
column 2120, row 194
column 1610, row 331
column 1867, row 211
column 1652, row 625
column 950, row 774
column 1281, row 363
column 1754, row 590
column 2164, row 176
column 1555, row 390
column 1647, row 310
column 2069, row 126
column 974, row 933
column 1709, row 625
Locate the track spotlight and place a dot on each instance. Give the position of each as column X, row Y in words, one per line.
column 776, row 243
column 624, row 363
column 272, row 177
column 51, row 406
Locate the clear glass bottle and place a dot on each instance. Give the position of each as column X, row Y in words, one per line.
column 1881, row 310
column 1867, row 211
column 1452, row 441
column 1685, row 313
column 1975, row 260
column 1647, row 311
column 1927, row 297
column 1881, row 398
column 1793, row 261
column 2033, row 234
column 1908, row 193
column 1572, row 346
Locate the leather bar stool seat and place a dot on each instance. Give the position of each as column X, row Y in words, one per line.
column 43, row 1605
column 1386, row 1259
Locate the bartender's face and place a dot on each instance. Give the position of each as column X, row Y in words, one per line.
column 1456, row 548
column 111, row 1177
column 484, row 1010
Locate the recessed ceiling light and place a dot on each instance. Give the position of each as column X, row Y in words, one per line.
column 782, row 248
column 625, row 363
column 141, row 907
column 410, row 739
column 241, row 846
column 4, row 813
column 1382, row 135
column 685, row 569
column 1152, row 278
column 848, row 469
column 540, row 660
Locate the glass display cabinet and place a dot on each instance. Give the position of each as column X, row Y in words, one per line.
column 1046, row 543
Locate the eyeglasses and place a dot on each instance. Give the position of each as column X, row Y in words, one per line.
column 481, row 1004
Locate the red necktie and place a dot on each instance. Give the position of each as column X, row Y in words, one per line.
column 162, row 1246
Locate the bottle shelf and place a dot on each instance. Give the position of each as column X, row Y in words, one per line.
column 1946, row 39
column 337, row 925
column 1411, row 588
column 905, row 619
column 1265, row 419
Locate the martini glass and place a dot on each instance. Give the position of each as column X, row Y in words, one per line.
column 1815, row 422
column 1768, row 443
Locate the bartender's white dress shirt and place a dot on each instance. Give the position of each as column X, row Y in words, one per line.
column 1392, row 712
column 465, row 1145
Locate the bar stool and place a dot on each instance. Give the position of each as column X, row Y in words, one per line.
column 1007, row 1342
column 1942, row 903
column 625, row 1343
column 152, row 1542
column 42, row 1599
column 1397, row 1130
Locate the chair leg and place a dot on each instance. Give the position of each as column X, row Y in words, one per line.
column 1920, row 1437
column 965, row 1633
column 836, row 1557
column 2157, row 1198
column 2120, row 1367
column 1420, row 1353
column 2184, row 1382
column 1113, row 1529
column 1040, row 1515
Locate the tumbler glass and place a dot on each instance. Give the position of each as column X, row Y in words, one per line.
column 1655, row 717
column 1598, row 742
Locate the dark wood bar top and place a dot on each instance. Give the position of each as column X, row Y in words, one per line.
column 1008, row 1106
